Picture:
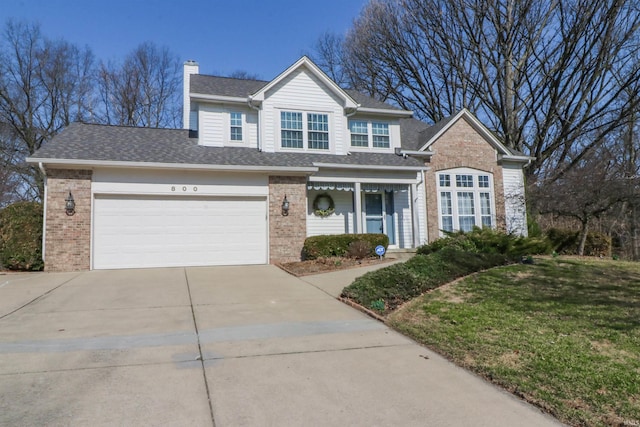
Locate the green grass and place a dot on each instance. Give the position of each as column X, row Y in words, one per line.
column 562, row 333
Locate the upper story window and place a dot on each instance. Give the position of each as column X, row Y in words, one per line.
column 369, row 134
column 292, row 125
column 380, row 135
column 236, row 126
column 466, row 203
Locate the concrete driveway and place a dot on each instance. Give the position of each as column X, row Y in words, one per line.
column 221, row 346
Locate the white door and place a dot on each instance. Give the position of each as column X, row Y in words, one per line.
column 139, row 231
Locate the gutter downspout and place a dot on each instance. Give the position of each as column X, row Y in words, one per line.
column 259, row 110
column 44, row 210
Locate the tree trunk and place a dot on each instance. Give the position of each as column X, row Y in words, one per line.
column 635, row 249
column 583, row 236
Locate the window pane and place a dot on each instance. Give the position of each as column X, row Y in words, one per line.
column 291, row 129
column 236, row 126
column 465, row 203
column 380, row 135
column 445, row 203
column 445, row 180
column 486, row 221
column 319, row 140
column 359, row 133
column 447, row 223
column 464, row 180
column 236, row 134
column 485, row 204
column 467, row 223
column 318, row 127
column 483, row 181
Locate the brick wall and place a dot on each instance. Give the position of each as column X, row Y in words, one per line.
column 461, row 146
column 68, row 238
column 287, row 233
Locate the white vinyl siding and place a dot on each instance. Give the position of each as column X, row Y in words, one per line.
column 514, row 199
column 217, row 125
column 302, row 92
column 338, row 223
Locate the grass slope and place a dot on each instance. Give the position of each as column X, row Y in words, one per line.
column 562, row 333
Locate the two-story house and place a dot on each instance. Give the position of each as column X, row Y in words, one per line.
column 260, row 166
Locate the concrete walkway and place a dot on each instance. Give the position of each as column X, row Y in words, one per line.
column 221, row 346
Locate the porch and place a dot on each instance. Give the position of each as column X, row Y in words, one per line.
column 394, row 209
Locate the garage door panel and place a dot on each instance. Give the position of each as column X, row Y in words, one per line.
column 132, row 232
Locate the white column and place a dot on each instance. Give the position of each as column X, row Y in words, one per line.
column 415, row 215
column 358, row 205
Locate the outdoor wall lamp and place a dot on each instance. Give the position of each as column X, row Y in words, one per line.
column 70, row 205
column 285, row 206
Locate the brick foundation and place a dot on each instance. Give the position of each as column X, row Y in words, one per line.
column 287, row 233
column 461, row 146
column 68, row 238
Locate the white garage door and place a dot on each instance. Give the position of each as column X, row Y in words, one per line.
column 136, row 231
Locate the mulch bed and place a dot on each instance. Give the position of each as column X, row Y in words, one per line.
column 326, row 265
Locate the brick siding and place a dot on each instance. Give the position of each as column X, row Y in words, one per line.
column 287, row 233
column 68, row 238
column 461, row 146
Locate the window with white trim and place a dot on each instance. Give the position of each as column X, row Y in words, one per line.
column 369, row 134
column 292, row 135
column 465, row 199
column 235, row 126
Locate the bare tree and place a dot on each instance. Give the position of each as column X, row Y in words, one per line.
column 545, row 75
column 584, row 192
column 143, row 91
column 44, row 85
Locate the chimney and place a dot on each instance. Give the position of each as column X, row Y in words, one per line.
column 188, row 119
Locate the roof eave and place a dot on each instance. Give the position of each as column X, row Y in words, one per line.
column 302, row 170
column 400, row 113
column 219, row 98
column 369, row 167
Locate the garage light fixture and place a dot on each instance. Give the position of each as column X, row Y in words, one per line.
column 70, row 205
column 285, row 206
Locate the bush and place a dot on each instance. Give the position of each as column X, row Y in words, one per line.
column 359, row 249
column 399, row 283
column 337, row 245
column 567, row 241
column 489, row 241
column 21, row 236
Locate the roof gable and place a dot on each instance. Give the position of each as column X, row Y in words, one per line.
column 431, row 135
column 348, row 101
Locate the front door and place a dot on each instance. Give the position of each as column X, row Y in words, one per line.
column 379, row 214
column 374, row 212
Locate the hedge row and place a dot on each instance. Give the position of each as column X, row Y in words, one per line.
column 338, row 245
column 487, row 240
column 385, row 289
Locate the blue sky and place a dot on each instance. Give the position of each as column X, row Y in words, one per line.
column 260, row 37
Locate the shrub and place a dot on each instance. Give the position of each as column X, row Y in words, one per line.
column 567, row 241
column 337, row 245
column 21, row 236
column 489, row 241
column 359, row 249
column 399, row 283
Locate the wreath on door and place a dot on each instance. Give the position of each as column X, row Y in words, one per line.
column 323, row 205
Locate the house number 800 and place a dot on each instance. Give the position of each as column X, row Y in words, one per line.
column 184, row 188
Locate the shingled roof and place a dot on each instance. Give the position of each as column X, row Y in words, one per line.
column 90, row 142
column 228, row 86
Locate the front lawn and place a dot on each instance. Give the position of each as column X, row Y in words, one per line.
column 563, row 333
